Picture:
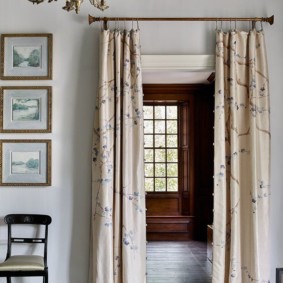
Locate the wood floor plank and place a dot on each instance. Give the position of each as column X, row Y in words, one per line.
column 178, row 262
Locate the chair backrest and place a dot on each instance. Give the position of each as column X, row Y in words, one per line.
column 23, row 219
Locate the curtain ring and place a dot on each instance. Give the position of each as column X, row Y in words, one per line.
column 230, row 25
column 118, row 23
column 235, row 25
column 105, row 25
column 216, row 25
column 253, row 24
column 124, row 25
column 132, row 24
column 138, row 26
column 261, row 25
column 221, row 25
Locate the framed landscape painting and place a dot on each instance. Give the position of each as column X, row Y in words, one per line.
column 25, row 109
column 26, row 57
column 25, row 162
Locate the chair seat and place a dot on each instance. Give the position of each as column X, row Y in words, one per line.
column 23, row 263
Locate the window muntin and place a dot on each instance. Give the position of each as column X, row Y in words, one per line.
column 161, row 148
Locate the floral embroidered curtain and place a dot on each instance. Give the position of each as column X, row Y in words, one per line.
column 242, row 159
column 118, row 253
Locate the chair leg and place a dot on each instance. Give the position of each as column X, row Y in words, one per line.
column 45, row 278
column 8, row 279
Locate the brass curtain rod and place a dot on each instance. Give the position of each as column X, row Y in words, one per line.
column 92, row 19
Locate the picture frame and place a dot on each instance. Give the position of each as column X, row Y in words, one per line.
column 26, row 109
column 25, row 163
column 26, row 56
column 279, row 275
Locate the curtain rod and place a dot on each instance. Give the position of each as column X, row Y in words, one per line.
column 92, row 19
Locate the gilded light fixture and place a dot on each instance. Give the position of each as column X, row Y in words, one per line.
column 76, row 4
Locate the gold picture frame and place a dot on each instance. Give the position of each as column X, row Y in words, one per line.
column 25, row 163
column 26, row 109
column 26, row 56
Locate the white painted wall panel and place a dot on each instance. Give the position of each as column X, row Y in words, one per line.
column 74, row 87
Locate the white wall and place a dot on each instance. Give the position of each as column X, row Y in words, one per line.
column 74, row 85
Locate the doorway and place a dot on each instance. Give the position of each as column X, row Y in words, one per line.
column 178, row 133
column 185, row 260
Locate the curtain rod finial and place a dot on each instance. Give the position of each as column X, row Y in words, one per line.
column 90, row 19
column 271, row 20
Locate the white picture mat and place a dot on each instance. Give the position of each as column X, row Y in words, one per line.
column 10, row 94
column 10, row 70
column 9, row 148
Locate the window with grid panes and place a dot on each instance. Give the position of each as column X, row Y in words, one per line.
column 161, row 148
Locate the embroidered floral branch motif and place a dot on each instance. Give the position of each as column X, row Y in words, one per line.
column 234, row 266
column 135, row 198
column 117, row 265
column 103, row 212
column 262, row 192
column 250, row 277
column 223, row 169
column 129, row 239
column 101, row 155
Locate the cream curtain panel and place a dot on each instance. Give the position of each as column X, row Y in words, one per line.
column 242, row 159
column 118, row 253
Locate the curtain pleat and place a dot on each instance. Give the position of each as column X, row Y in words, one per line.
column 118, row 252
column 242, row 159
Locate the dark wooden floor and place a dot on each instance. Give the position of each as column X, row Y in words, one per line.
column 178, row 262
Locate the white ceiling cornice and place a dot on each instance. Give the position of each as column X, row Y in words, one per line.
column 178, row 62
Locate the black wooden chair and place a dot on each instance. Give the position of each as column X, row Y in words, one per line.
column 25, row 265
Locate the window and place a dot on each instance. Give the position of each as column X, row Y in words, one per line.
column 161, row 147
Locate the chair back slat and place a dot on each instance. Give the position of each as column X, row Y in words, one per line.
column 28, row 240
column 37, row 219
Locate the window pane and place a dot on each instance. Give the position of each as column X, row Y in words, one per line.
column 148, row 155
column 172, row 141
column 160, row 184
column 172, row 112
column 148, row 127
column 148, row 112
column 161, row 130
column 172, row 155
column 160, row 127
column 172, row 127
column 148, row 140
column 160, row 155
column 172, row 170
column 159, row 112
column 160, row 141
column 148, row 182
column 148, row 170
column 172, row 184
column 160, row 170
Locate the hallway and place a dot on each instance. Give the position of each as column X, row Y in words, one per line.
column 178, row 262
